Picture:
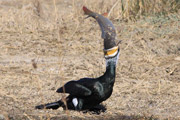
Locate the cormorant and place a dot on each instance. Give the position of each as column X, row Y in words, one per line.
column 87, row 93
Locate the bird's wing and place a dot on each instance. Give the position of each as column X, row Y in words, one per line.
column 74, row 88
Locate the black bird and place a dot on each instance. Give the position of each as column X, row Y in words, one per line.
column 87, row 93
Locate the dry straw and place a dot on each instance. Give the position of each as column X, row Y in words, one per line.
column 20, row 20
column 133, row 9
column 136, row 8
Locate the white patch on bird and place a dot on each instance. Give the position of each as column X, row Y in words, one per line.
column 113, row 59
column 75, row 101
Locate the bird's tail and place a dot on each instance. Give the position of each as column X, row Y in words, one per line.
column 53, row 105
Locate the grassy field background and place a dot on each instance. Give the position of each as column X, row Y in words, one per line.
column 45, row 43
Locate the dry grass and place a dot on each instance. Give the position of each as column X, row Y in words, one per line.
column 46, row 43
column 137, row 8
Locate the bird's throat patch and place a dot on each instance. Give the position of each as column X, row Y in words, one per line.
column 111, row 52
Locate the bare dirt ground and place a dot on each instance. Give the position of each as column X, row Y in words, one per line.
column 38, row 55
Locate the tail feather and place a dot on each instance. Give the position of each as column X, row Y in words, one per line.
column 53, row 105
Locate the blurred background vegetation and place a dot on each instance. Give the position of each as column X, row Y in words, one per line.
column 135, row 8
column 130, row 9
